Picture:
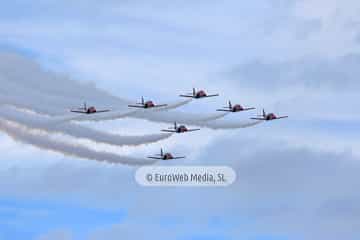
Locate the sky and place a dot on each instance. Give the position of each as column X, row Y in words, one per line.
column 296, row 178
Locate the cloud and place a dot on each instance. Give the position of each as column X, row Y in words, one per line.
column 45, row 142
column 312, row 74
column 279, row 188
column 309, row 88
column 297, row 58
column 56, row 235
column 285, row 186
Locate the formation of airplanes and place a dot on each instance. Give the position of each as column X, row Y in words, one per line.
column 182, row 128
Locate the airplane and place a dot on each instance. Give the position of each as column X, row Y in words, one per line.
column 179, row 129
column 235, row 108
column 147, row 104
column 90, row 110
column 268, row 117
column 198, row 94
column 164, row 156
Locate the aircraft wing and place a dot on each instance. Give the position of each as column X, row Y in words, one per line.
column 136, row 106
column 223, row 110
column 178, row 157
column 166, row 130
column 190, row 96
column 161, row 105
column 251, row 108
column 100, row 111
column 258, row 118
column 212, row 95
column 76, row 111
column 192, row 130
column 154, row 157
column 282, row 117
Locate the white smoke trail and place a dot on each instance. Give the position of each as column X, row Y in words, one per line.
column 38, row 107
column 29, row 75
column 172, row 106
column 155, row 115
column 186, row 118
column 51, row 93
column 229, row 125
column 75, row 130
column 56, row 106
column 44, row 142
column 113, row 115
